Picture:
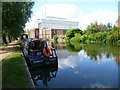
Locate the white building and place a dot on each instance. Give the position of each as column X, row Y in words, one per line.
column 53, row 26
column 57, row 23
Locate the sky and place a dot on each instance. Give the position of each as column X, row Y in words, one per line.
column 82, row 11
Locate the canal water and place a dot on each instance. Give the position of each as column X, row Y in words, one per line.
column 81, row 66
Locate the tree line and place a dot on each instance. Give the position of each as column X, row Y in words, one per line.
column 95, row 33
column 14, row 17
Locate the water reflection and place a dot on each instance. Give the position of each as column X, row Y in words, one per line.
column 117, row 60
column 56, row 45
column 42, row 75
column 70, row 61
column 96, row 51
column 81, row 66
column 74, row 47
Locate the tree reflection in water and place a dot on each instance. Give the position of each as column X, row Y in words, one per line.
column 43, row 73
column 96, row 51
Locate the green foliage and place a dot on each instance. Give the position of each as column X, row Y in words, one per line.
column 115, row 28
column 76, row 38
column 95, row 33
column 55, row 38
column 63, row 37
column 109, row 27
column 95, row 27
column 113, row 36
column 83, row 38
column 71, row 33
column 14, row 17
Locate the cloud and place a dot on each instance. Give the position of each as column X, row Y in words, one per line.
column 82, row 53
column 77, row 72
column 69, row 62
column 99, row 16
column 60, row 10
column 89, row 76
column 98, row 85
column 32, row 23
column 72, row 12
column 54, row 10
column 72, row 61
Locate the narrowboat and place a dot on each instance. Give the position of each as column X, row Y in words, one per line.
column 36, row 51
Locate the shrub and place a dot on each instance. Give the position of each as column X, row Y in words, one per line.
column 55, row 38
column 71, row 33
column 83, row 38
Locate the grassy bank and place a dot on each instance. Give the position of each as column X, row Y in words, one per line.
column 13, row 71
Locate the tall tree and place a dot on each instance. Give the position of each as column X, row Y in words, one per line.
column 14, row 17
column 109, row 27
column 95, row 28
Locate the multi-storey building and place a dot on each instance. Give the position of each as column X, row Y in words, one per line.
column 53, row 26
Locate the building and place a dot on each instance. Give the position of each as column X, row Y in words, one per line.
column 33, row 33
column 55, row 26
column 52, row 26
column 118, row 22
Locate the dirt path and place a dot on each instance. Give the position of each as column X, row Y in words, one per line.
column 9, row 49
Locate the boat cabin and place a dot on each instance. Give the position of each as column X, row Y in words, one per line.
column 36, row 51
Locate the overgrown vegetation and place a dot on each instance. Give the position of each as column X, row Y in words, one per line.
column 95, row 33
column 13, row 71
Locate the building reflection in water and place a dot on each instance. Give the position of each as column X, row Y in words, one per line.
column 45, row 74
column 117, row 60
column 56, row 45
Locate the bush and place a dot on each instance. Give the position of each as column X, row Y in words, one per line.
column 71, row 33
column 83, row 38
column 55, row 38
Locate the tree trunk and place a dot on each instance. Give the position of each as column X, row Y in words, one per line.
column 9, row 39
column 4, row 39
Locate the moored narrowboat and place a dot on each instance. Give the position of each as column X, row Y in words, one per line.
column 37, row 52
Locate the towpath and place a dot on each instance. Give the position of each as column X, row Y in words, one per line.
column 8, row 50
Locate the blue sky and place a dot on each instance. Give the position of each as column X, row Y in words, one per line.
column 84, row 12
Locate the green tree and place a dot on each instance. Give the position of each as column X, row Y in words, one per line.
column 102, row 27
column 71, row 33
column 14, row 17
column 109, row 27
column 115, row 28
column 92, row 28
column 95, row 28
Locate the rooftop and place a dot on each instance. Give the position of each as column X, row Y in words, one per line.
column 58, row 23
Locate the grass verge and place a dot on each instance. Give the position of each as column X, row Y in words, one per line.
column 1, row 47
column 13, row 71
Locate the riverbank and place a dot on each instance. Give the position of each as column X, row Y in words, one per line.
column 13, row 70
column 7, row 49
